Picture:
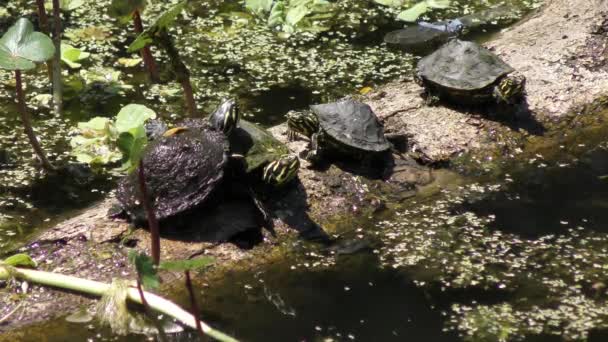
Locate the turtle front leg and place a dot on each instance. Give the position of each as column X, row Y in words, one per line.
column 314, row 156
column 266, row 217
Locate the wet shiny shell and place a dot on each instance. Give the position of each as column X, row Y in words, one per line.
column 352, row 123
column 462, row 65
column 256, row 144
column 181, row 171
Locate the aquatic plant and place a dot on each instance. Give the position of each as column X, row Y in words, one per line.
column 411, row 13
column 43, row 20
column 158, row 34
column 124, row 11
column 114, row 295
column 147, row 275
column 20, row 48
column 102, row 141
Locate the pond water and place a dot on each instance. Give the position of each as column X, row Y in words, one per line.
column 515, row 254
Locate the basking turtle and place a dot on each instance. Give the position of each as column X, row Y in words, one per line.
column 263, row 156
column 347, row 127
column 424, row 37
column 186, row 165
column 465, row 72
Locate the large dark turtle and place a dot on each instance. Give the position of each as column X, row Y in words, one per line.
column 464, row 72
column 183, row 166
column 348, row 127
column 182, row 171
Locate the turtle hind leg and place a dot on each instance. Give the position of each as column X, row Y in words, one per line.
column 262, row 209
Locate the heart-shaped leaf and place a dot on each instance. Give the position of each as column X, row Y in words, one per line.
column 133, row 116
column 163, row 22
column 21, row 47
column 71, row 55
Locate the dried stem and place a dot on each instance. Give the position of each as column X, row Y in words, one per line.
column 27, row 124
column 193, row 306
column 182, row 74
column 152, row 221
column 149, row 62
column 43, row 20
column 57, row 91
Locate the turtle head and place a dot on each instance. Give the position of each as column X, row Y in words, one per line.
column 305, row 123
column 510, row 88
column 226, row 116
column 282, row 170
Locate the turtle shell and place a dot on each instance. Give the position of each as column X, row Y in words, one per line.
column 181, row 171
column 256, row 144
column 462, row 65
column 352, row 123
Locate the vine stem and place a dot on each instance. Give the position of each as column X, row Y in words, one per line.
column 95, row 288
column 27, row 124
column 57, row 86
column 149, row 62
column 152, row 220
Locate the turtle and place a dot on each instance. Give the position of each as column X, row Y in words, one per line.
column 182, row 169
column 186, row 165
column 263, row 156
column 347, row 127
column 425, row 36
column 465, row 72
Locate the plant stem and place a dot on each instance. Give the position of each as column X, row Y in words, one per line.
column 141, row 295
column 152, row 221
column 43, row 20
column 96, row 288
column 182, row 74
column 57, row 91
column 149, row 62
column 27, row 124
column 193, row 306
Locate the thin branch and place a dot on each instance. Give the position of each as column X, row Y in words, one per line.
column 27, row 124
column 152, row 221
column 149, row 62
column 193, row 306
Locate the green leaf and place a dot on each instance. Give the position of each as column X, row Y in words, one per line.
column 69, row 5
column 124, row 9
column 145, row 269
column 129, row 62
column 133, row 116
column 186, row 265
column 258, row 6
column 390, row 3
column 71, row 55
column 438, row 3
column 411, row 14
column 132, row 148
column 21, row 47
column 20, row 260
column 277, row 14
column 95, row 124
column 295, row 14
column 163, row 22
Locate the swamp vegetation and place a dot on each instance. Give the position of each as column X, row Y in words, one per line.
column 497, row 248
